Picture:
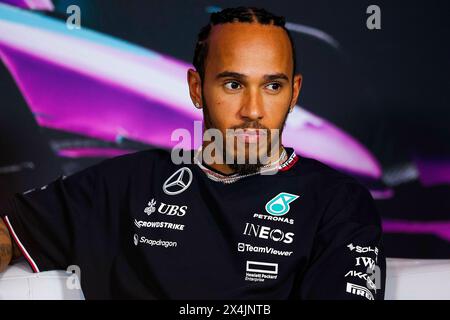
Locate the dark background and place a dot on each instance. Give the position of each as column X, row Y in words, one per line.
column 388, row 88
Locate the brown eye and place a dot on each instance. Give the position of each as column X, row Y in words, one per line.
column 277, row 86
column 232, row 85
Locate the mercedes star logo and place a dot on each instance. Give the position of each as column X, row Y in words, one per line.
column 178, row 182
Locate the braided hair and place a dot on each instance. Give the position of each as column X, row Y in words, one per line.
column 230, row 15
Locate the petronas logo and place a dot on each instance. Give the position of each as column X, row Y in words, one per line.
column 279, row 205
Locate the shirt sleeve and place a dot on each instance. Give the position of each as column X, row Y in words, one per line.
column 46, row 223
column 347, row 260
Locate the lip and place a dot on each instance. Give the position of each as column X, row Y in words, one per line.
column 252, row 132
column 250, row 135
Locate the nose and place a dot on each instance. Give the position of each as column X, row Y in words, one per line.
column 252, row 108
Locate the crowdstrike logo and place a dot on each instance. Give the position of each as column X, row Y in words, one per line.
column 178, row 182
column 279, row 205
column 158, row 224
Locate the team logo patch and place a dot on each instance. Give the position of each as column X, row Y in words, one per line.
column 279, row 205
column 359, row 291
column 258, row 271
column 178, row 182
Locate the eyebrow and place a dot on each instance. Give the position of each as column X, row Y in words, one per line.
column 267, row 77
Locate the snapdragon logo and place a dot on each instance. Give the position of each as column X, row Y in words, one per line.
column 152, row 242
column 279, row 205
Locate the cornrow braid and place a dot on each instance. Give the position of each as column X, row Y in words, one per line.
column 230, row 15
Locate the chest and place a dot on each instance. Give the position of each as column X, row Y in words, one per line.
column 211, row 242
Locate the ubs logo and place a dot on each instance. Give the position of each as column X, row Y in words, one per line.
column 164, row 208
column 172, row 210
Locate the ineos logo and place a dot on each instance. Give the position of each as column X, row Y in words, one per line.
column 268, row 233
column 178, row 182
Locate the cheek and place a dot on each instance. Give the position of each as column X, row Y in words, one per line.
column 223, row 111
column 274, row 123
column 276, row 110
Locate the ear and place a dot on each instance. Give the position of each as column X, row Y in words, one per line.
column 297, row 85
column 195, row 87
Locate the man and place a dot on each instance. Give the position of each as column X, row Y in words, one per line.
column 220, row 226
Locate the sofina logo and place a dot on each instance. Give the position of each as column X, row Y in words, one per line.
column 279, row 205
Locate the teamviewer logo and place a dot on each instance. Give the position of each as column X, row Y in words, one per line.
column 241, row 247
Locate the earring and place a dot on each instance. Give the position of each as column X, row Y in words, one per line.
column 197, row 105
column 290, row 110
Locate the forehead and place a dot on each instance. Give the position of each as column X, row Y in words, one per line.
column 250, row 48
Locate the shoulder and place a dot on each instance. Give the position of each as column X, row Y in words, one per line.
column 317, row 173
column 131, row 164
column 332, row 179
column 136, row 158
column 340, row 194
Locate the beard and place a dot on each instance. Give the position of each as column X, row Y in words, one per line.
column 246, row 166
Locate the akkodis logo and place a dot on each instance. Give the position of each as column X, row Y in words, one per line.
column 279, row 205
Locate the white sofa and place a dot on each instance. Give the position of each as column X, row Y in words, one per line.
column 411, row 279
column 19, row 282
column 407, row 279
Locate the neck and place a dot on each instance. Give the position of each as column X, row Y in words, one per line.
column 225, row 169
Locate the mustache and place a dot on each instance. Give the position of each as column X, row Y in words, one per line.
column 250, row 125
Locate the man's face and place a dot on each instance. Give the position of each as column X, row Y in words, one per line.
column 248, row 85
